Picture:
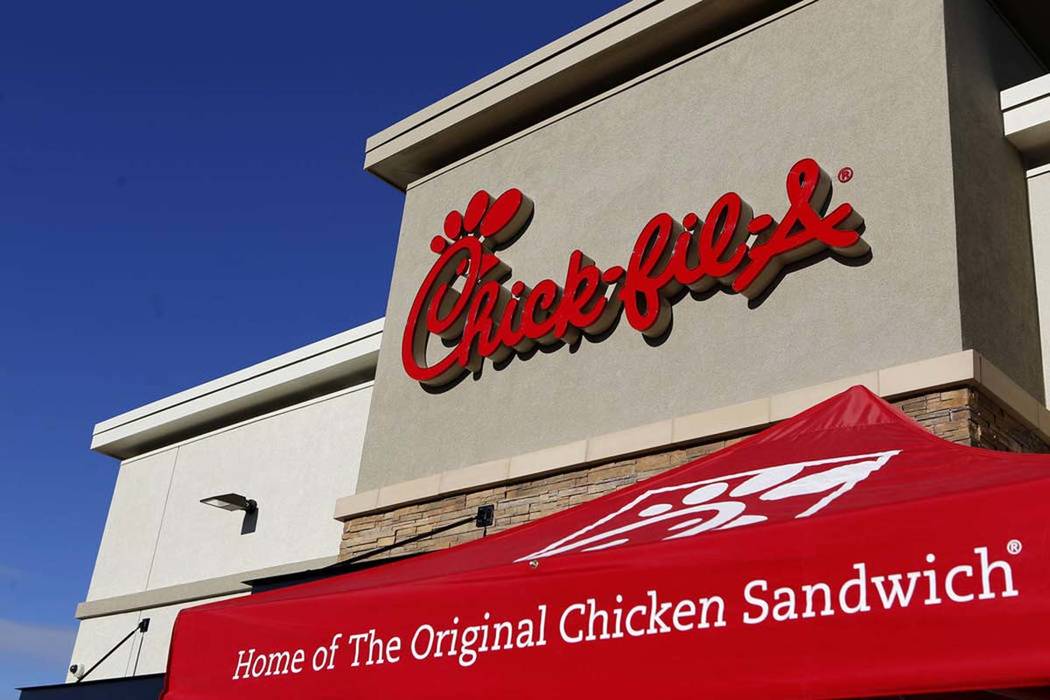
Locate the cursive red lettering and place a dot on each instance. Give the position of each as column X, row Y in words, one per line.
column 803, row 231
column 650, row 276
column 463, row 299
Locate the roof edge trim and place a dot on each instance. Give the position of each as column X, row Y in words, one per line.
column 609, row 51
column 330, row 364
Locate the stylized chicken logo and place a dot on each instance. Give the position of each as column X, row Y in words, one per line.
column 467, row 301
column 719, row 503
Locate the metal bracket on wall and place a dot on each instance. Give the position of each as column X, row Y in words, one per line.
column 142, row 627
column 484, row 518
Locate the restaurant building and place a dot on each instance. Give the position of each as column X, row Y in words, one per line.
column 661, row 233
column 285, row 433
column 929, row 118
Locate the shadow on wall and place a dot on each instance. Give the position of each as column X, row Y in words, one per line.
column 250, row 521
column 575, row 344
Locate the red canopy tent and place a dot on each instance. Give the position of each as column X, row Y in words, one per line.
column 845, row 552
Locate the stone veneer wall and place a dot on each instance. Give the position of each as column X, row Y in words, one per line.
column 964, row 415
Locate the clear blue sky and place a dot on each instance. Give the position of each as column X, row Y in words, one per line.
column 181, row 195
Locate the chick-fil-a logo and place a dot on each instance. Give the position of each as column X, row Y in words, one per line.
column 464, row 299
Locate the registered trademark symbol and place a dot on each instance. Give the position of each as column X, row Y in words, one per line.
column 846, row 174
column 1013, row 546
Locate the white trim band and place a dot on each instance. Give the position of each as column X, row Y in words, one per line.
column 346, row 357
column 962, row 368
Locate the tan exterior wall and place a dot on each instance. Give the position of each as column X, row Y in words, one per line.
column 872, row 90
column 962, row 415
column 997, row 277
column 1039, row 205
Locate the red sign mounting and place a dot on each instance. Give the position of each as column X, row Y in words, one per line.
column 464, row 299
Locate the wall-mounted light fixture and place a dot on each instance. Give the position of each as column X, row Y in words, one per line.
column 231, row 502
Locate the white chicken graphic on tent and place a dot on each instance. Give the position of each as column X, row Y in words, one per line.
column 720, row 503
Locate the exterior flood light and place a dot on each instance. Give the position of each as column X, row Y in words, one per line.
column 231, row 502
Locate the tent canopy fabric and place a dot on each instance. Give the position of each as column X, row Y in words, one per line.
column 845, row 552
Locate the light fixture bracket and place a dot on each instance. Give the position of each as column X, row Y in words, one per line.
column 231, row 502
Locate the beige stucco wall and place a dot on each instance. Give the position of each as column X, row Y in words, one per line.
column 997, row 275
column 1039, row 201
column 294, row 462
column 863, row 85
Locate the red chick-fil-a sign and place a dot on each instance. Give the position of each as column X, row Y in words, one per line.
column 466, row 302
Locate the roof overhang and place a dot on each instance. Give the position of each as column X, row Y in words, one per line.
column 613, row 49
column 331, row 364
column 1026, row 119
